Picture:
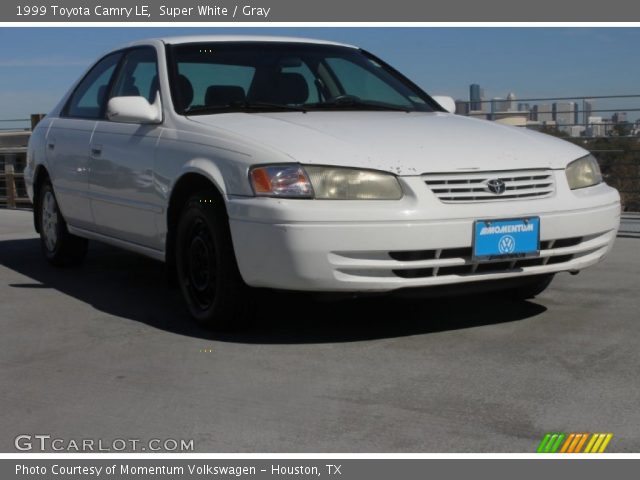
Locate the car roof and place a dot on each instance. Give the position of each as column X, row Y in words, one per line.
column 235, row 38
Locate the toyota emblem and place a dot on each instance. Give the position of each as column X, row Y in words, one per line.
column 496, row 186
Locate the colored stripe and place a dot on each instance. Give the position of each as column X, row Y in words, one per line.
column 574, row 443
column 543, row 443
column 596, row 445
column 550, row 443
column 581, row 443
column 567, row 442
column 556, row 445
column 552, row 439
column 594, row 437
column 606, row 441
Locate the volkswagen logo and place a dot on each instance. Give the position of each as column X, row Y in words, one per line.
column 497, row 186
column 506, row 244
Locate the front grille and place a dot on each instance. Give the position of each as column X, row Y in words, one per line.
column 472, row 187
column 444, row 262
column 550, row 254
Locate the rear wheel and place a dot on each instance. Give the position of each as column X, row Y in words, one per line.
column 59, row 246
column 532, row 287
column 207, row 271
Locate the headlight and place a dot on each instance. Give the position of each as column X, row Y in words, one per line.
column 324, row 183
column 583, row 172
column 353, row 184
column 280, row 181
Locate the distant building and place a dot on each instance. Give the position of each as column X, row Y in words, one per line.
column 608, row 126
column 619, row 117
column 479, row 114
column 526, row 108
column 620, row 125
column 543, row 113
column 564, row 113
column 595, row 127
column 533, row 125
column 511, row 101
column 513, row 118
column 476, row 96
column 498, row 105
column 587, row 110
column 573, row 130
column 462, row 107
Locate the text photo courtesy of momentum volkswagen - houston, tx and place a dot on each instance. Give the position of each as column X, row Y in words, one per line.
column 366, row 241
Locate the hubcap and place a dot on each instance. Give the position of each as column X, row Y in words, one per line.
column 49, row 222
column 199, row 262
column 200, row 265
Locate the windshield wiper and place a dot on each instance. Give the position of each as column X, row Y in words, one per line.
column 282, row 106
column 242, row 106
column 340, row 103
column 352, row 102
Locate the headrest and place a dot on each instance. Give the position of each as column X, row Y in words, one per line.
column 130, row 89
column 185, row 91
column 291, row 88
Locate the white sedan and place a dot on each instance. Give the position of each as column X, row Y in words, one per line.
column 305, row 165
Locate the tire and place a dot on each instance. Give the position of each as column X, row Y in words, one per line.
column 206, row 267
column 531, row 288
column 59, row 247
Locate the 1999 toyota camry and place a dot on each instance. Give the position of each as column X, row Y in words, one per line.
column 305, row 165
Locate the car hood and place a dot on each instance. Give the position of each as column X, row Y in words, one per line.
column 398, row 142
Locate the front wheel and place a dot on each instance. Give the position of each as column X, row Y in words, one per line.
column 60, row 247
column 208, row 275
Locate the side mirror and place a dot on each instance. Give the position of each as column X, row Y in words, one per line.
column 448, row 103
column 134, row 110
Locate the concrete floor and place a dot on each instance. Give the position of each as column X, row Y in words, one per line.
column 107, row 351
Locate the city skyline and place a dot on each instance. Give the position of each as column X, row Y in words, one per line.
column 571, row 116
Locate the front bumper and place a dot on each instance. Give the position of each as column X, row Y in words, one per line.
column 336, row 246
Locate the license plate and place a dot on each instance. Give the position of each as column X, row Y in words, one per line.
column 513, row 238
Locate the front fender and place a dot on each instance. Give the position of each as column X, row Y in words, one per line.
column 206, row 168
column 36, row 157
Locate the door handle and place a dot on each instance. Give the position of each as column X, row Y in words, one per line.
column 51, row 146
column 96, row 150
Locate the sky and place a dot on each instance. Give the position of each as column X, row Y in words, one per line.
column 37, row 65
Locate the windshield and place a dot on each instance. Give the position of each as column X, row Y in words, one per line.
column 260, row 76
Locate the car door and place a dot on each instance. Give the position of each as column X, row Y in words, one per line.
column 69, row 138
column 123, row 194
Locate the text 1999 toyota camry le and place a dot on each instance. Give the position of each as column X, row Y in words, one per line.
column 305, row 165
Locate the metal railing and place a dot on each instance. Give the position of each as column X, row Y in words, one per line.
column 15, row 124
column 13, row 192
column 583, row 112
column 13, row 159
column 614, row 141
column 619, row 159
column 630, row 225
